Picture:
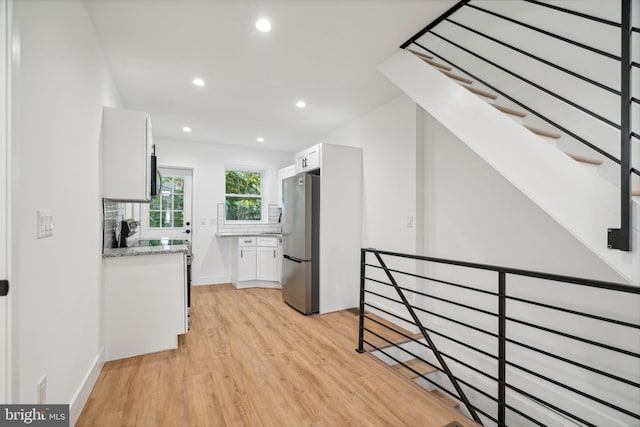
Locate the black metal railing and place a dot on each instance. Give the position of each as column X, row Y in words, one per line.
column 618, row 238
column 512, row 352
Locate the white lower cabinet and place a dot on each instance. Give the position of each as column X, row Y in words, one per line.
column 247, row 268
column 145, row 303
column 266, row 266
column 258, row 262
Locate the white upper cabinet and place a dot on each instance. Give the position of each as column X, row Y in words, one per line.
column 309, row 159
column 126, row 155
column 283, row 174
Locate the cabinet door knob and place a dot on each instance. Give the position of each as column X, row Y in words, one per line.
column 274, row 253
column 240, row 253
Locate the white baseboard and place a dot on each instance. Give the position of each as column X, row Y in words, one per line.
column 82, row 395
column 257, row 284
column 210, row 280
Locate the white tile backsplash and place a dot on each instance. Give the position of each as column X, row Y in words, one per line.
column 273, row 226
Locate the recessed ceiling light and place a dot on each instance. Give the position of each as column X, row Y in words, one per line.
column 186, row 129
column 263, row 25
column 301, row 104
column 260, row 139
column 197, row 81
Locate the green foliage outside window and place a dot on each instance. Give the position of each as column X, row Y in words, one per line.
column 167, row 209
column 243, row 195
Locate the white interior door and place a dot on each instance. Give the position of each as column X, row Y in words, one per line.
column 4, row 194
column 169, row 214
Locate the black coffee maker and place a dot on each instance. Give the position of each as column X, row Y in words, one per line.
column 128, row 228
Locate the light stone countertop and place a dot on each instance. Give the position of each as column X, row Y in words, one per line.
column 247, row 234
column 144, row 250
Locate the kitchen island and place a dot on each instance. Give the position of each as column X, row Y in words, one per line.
column 145, row 299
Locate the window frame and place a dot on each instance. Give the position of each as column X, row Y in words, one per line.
column 252, row 169
column 172, row 210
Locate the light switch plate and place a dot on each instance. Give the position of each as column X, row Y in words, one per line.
column 44, row 223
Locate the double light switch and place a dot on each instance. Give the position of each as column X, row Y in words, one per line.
column 45, row 223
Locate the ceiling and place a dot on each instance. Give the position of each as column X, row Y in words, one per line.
column 324, row 52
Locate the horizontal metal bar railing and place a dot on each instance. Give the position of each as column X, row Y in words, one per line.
column 559, row 280
column 509, row 340
column 484, row 291
column 413, row 291
column 433, row 331
column 444, row 282
column 529, row 109
column 576, row 13
column 449, row 12
column 441, row 316
column 484, row 374
column 600, row 284
column 521, row 322
column 547, row 33
column 576, row 312
column 531, row 83
column 537, row 58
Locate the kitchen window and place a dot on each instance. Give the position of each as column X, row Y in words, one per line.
column 243, row 195
column 167, row 209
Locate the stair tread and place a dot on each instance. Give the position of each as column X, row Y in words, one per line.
column 394, row 337
column 585, row 159
column 543, row 132
column 635, row 193
column 481, row 92
column 420, row 54
column 445, row 398
column 510, row 111
column 417, row 365
column 437, row 64
column 399, row 341
column 456, row 77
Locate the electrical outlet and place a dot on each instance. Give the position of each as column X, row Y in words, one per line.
column 42, row 390
column 44, row 223
column 203, row 221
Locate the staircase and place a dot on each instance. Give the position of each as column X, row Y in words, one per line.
column 549, row 136
column 536, row 363
column 574, row 181
column 536, row 101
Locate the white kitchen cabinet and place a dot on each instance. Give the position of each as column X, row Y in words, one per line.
column 309, row 159
column 126, row 155
column 267, row 262
column 258, row 260
column 340, row 222
column 145, row 303
column 247, row 267
column 283, row 174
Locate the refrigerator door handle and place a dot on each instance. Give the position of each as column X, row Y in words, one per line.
column 290, row 258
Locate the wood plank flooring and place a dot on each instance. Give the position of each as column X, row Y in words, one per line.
column 250, row 360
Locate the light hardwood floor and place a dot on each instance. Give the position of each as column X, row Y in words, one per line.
column 250, row 360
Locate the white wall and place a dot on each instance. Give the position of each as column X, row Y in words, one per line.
column 474, row 214
column 387, row 136
column 469, row 212
column 64, row 82
column 212, row 261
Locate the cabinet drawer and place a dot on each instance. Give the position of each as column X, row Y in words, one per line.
column 269, row 242
column 246, row 241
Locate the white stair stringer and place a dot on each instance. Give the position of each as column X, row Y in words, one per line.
column 578, row 199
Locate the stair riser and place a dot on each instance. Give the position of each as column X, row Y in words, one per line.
column 517, row 119
column 546, row 139
column 589, row 166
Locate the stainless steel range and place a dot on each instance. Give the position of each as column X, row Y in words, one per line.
column 176, row 242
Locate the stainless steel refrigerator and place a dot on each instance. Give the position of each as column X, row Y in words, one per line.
column 301, row 233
